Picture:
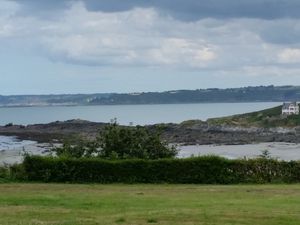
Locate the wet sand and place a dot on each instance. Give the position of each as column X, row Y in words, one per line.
column 278, row 150
column 12, row 150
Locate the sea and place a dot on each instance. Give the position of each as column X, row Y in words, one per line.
column 128, row 114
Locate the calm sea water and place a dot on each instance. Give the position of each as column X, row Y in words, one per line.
column 126, row 114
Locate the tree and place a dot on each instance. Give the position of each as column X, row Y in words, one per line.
column 79, row 150
column 133, row 142
column 265, row 154
column 119, row 142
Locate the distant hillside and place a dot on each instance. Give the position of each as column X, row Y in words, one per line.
column 49, row 100
column 245, row 94
column 265, row 118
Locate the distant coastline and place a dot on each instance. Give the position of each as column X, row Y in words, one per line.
column 133, row 104
column 210, row 95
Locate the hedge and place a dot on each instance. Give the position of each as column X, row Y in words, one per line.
column 198, row 170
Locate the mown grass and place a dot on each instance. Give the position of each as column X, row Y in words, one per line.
column 149, row 204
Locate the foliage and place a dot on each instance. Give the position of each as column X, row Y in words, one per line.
column 265, row 154
column 200, row 170
column 4, row 174
column 12, row 173
column 265, row 118
column 244, row 94
column 9, row 125
column 119, row 142
column 80, row 149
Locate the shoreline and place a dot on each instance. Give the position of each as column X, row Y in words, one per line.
column 195, row 132
column 278, row 150
column 13, row 156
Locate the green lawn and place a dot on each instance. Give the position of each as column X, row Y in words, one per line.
column 149, row 204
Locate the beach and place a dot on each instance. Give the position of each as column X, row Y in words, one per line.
column 12, row 150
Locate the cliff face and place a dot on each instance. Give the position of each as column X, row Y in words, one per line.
column 225, row 134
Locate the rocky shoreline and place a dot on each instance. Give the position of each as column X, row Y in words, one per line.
column 186, row 133
column 193, row 137
column 203, row 133
column 16, row 155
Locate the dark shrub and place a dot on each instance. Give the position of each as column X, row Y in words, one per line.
column 199, row 170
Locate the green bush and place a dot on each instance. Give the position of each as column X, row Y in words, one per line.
column 198, row 170
column 120, row 142
column 12, row 173
column 4, row 174
column 17, row 172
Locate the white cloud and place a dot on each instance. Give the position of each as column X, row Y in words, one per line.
column 289, row 55
column 177, row 51
column 144, row 37
column 135, row 37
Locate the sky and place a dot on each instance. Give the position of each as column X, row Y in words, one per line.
column 104, row 46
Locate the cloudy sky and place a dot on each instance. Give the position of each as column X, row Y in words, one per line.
column 88, row 46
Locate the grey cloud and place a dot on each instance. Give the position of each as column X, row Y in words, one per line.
column 282, row 32
column 185, row 9
column 41, row 8
column 145, row 37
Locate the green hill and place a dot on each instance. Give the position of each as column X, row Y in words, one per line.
column 265, row 118
column 244, row 94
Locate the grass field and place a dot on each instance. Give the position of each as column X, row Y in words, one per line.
column 149, row 204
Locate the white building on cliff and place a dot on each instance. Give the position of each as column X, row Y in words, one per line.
column 290, row 108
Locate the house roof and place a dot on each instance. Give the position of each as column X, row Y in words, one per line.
column 286, row 105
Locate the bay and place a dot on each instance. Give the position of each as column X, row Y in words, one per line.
column 126, row 114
